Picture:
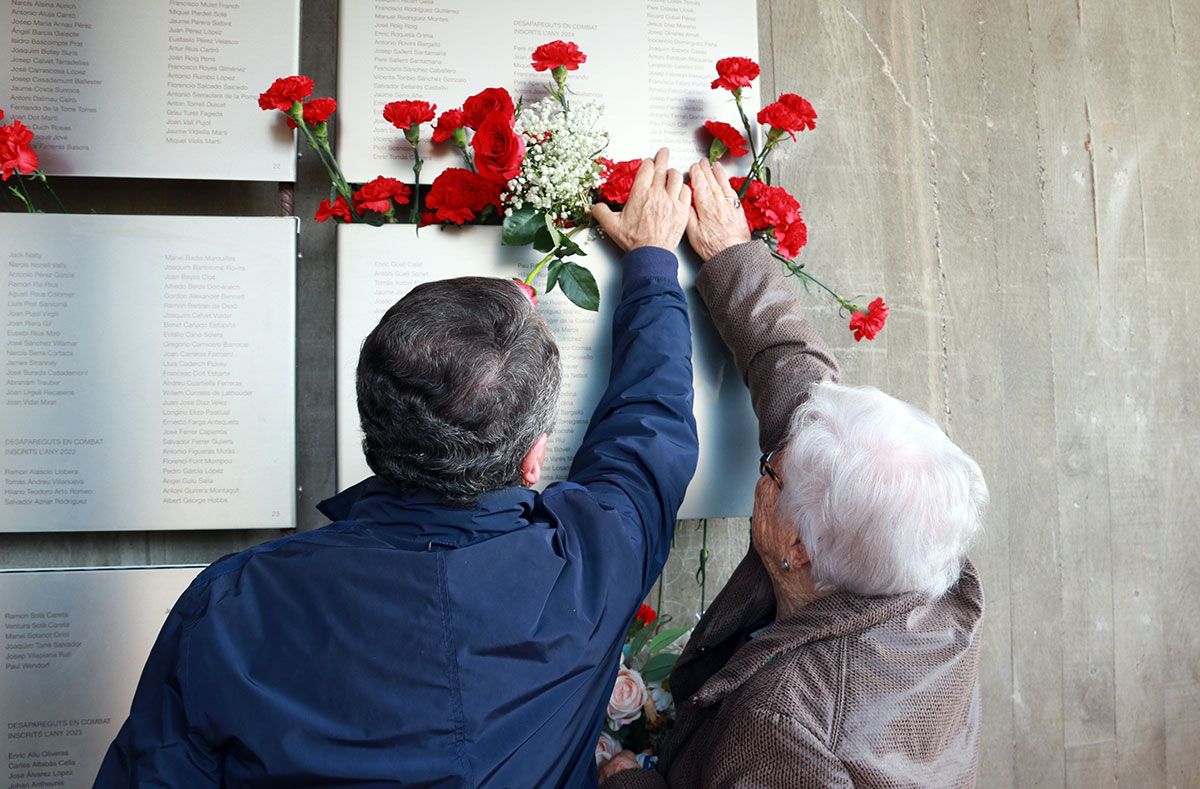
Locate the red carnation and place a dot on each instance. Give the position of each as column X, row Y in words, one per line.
column 16, row 154
column 449, row 122
column 790, row 239
column 459, row 196
column 870, row 322
column 730, row 137
column 767, row 206
column 558, row 54
column 791, row 113
column 316, row 111
column 735, row 73
column 377, row 195
column 618, row 179
column 338, row 209
column 404, row 115
column 487, row 101
column 284, row 92
column 1, row 115
column 646, row 614
column 529, row 291
column 499, row 150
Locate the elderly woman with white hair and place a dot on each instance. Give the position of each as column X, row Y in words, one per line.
column 844, row 650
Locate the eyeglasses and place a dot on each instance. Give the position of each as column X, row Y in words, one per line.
column 765, row 469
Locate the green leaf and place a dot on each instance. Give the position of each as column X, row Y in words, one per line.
column 659, row 667
column 521, row 227
column 568, row 248
column 766, row 175
column 579, row 286
column 666, row 638
column 552, row 272
column 543, row 241
column 639, row 641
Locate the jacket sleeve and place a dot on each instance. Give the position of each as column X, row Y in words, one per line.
column 639, row 452
column 777, row 350
column 156, row 746
column 644, row 778
column 771, row 751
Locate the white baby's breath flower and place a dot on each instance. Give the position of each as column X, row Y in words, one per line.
column 559, row 172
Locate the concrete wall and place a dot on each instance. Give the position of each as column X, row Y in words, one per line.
column 1019, row 180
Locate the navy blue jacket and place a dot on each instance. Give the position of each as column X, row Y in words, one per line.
column 414, row 644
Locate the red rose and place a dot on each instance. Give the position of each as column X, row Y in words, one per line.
column 404, row 115
column 618, row 179
column 284, row 92
column 16, row 154
column 735, row 73
column 729, row 136
column 870, row 322
column 377, row 195
column 791, row 113
column 646, row 614
column 459, row 196
column 790, row 239
column 529, row 291
column 558, row 54
column 477, row 108
column 338, row 209
column 499, row 150
column 450, row 122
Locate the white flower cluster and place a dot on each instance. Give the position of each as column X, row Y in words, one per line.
column 559, row 171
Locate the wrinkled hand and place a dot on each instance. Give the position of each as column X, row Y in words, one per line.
column 625, row 760
column 657, row 211
column 716, row 221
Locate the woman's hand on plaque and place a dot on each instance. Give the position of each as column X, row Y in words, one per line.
column 716, row 220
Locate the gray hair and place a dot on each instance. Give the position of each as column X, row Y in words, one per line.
column 455, row 384
column 884, row 501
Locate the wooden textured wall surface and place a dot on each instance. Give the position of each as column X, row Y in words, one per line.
column 1019, row 178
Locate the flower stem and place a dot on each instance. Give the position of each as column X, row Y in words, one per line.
column 737, row 97
column 797, row 271
column 549, row 256
column 26, row 197
column 415, row 214
column 41, row 176
column 329, row 162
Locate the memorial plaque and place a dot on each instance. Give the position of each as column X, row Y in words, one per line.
column 379, row 265
column 149, row 372
column 151, row 88
column 75, row 642
column 650, row 64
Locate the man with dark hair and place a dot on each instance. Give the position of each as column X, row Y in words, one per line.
column 452, row 627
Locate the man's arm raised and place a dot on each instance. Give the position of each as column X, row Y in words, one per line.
column 639, row 453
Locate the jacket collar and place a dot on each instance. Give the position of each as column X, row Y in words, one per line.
column 837, row 615
column 420, row 519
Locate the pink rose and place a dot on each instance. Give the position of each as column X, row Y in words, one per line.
column 606, row 748
column 628, row 697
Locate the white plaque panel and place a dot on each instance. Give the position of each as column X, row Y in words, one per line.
column 75, row 642
column 649, row 63
column 151, row 88
column 148, row 372
column 377, row 266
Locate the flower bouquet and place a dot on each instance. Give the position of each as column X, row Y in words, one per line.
column 640, row 710
column 772, row 213
column 537, row 169
column 18, row 159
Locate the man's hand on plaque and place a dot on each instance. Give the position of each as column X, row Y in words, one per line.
column 717, row 221
column 656, row 213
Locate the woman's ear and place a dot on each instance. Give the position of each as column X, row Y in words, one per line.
column 531, row 464
column 798, row 554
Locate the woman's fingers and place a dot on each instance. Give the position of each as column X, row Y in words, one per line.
column 661, row 166
column 722, row 180
column 700, row 189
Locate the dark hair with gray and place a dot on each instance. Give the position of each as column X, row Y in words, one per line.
column 455, row 384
